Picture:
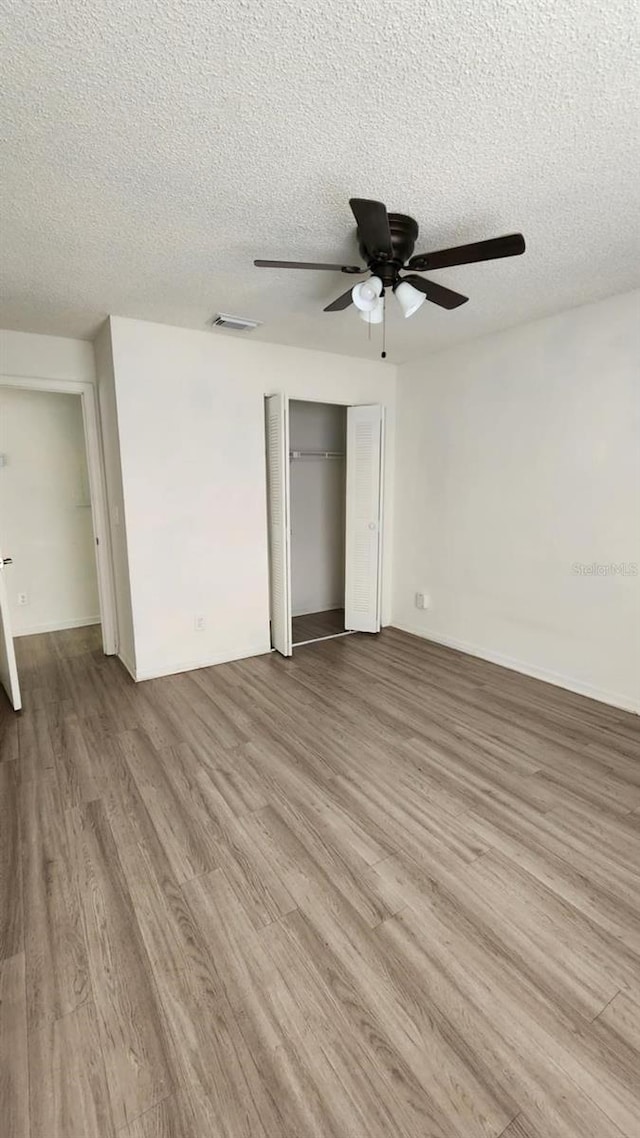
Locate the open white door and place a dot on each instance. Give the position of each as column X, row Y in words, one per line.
column 364, row 518
column 8, row 666
column 277, row 415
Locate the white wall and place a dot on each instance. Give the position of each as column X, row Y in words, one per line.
column 519, row 457
column 45, row 357
column 45, row 512
column 191, row 421
column 115, row 496
column 318, row 491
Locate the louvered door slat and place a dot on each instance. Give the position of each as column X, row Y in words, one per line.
column 277, row 418
column 362, row 568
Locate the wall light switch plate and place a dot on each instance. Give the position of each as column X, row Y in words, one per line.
column 422, row 601
column 199, row 623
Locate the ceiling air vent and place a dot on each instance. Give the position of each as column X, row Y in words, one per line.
column 234, row 323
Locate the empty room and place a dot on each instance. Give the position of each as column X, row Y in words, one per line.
column 320, row 570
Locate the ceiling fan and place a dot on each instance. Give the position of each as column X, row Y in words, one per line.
column 386, row 242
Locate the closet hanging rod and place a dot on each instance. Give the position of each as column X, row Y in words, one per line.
column 316, row 454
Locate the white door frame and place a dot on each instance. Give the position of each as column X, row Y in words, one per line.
column 97, row 490
column 279, row 528
column 363, row 609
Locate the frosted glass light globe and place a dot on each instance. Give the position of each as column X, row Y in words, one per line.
column 366, row 294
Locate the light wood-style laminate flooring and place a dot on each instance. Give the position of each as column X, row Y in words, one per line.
column 380, row 890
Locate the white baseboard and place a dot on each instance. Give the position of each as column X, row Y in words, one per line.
column 59, row 625
column 172, row 667
column 557, row 678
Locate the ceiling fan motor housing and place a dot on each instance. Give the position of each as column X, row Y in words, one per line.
column 386, row 242
column 404, row 234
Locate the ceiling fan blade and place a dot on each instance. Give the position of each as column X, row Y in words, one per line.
column 308, row 265
column 373, row 225
column 510, row 246
column 437, row 293
column 342, row 302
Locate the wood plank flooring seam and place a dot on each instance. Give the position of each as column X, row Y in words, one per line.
column 11, row 867
column 101, row 961
column 29, row 1073
column 14, row 1053
column 154, row 1106
column 510, row 1124
column 602, row 1010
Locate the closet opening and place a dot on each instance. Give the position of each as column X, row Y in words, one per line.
column 317, row 483
column 324, row 516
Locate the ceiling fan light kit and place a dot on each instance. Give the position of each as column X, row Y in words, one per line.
column 409, row 298
column 386, row 242
column 374, row 315
column 366, row 295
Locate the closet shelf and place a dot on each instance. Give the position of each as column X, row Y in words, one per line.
column 316, row 454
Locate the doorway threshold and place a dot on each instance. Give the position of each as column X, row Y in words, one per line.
column 317, row 639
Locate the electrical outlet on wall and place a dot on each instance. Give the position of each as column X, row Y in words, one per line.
column 23, row 599
column 422, row 601
column 199, row 623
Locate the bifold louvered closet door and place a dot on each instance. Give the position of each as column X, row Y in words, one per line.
column 364, row 518
column 277, row 420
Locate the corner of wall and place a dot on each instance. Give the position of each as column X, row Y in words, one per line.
column 107, row 401
column 517, row 458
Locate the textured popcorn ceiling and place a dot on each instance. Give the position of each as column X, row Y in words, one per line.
column 151, row 150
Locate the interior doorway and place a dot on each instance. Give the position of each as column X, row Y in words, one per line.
column 324, row 506
column 55, row 564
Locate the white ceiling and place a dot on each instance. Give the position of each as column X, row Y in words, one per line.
column 153, row 148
